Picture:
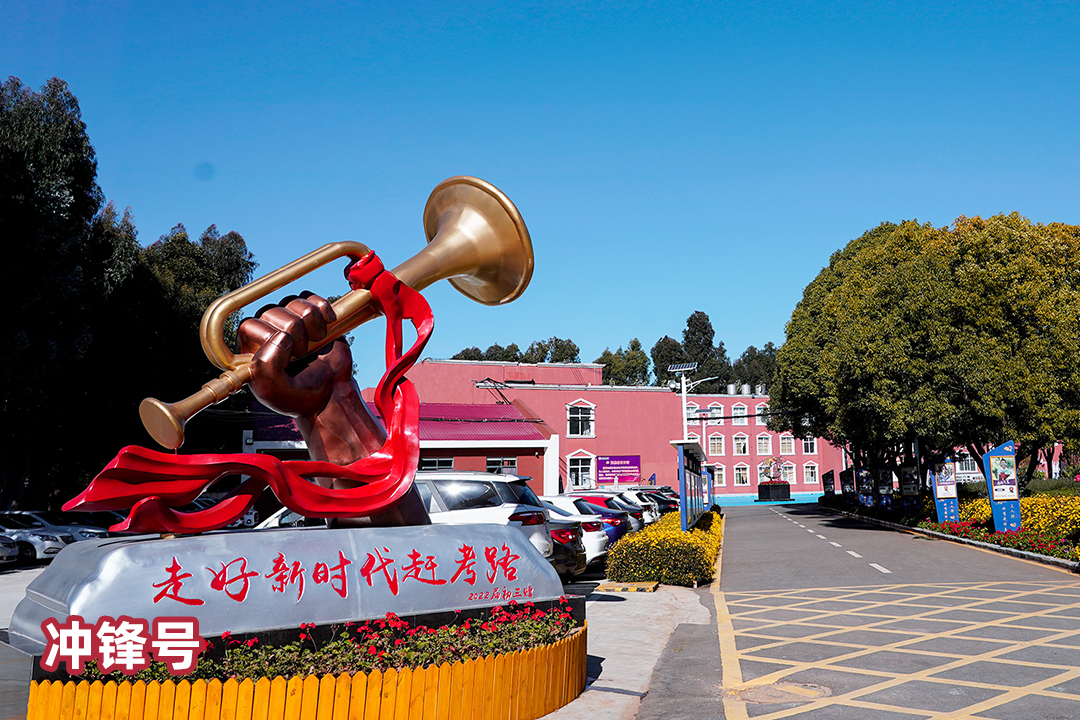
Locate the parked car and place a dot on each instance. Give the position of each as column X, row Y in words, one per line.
column 54, row 522
column 593, row 535
column 663, row 500
column 568, row 555
column 651, row 508
column 461, row 498
column 612, row 500
column 33, row 543
column 101, row 519
column 9, row 550
column 616, row 522
column 464, row 498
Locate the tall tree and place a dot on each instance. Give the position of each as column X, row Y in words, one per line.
column 498, row 353
column 962, row 336
column 563, row 351
column 625, row 367
column 756, row 367
column 537, row 352
column 469, row 353
column 712, row 359
column 666, row 352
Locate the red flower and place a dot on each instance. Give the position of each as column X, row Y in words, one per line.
column 303, row 636
column 372, row 650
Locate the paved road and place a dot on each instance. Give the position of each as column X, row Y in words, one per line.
column 14, row 665
column 819, row 617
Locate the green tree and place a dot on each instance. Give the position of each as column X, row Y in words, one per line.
column 756, row 367
column 99, row 322
column 666, row 352
column 962, row 336
column 625, row 367
column 563, row 351
column 469, row 353
column 537, row 352
column 712, row 359
column 498, row 353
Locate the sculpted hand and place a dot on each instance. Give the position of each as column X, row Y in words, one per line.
column 279, row 333
column 319, row 390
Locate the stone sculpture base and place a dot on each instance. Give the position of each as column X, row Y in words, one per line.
column 257, row 580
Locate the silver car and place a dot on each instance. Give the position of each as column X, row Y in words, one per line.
column 57, row 523
column 32, row 543
column 9, row 550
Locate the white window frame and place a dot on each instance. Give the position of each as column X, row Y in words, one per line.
column 719, row 476
column 580, row 455
column 719, row 438
column 758, row 419
column 790, row 439
column 787, row 473
column 809, row 446
column 746, row 475
column 768, row 448
column 813, row 468
column 735, row 444
column 738, row 415
column 581, row 404
column 437, row 463
column 716, row 409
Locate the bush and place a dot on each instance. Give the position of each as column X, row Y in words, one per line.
column 664, row 553
column 1062, row 485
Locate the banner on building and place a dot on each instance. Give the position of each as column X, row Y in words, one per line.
column 612, row 469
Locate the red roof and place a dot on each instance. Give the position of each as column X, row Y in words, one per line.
column 438, row 421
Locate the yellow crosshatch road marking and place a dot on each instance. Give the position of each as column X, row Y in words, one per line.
column 1045, row 614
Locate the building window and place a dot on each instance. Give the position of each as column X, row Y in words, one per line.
column 719, row 478
column 764, row 444
column 581, row 419
column 740, row 445
column 502, row 466
column 809, row 446
column 692, row 437
column 762, row 414
column 738, row 414
column 716, row 444
column 787, row 445
column 581, row 475
column 742, row 474
column 787, row 473
column 716, row 414
column 966, row 464
column 763, row 473
column 691, row 410
column 437, row 463
column 809, row 474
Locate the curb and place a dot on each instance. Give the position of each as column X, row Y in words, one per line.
column 1073, row 567
column 628, row 587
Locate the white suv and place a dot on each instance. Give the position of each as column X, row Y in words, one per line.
column 455, row 497
column 464, row 498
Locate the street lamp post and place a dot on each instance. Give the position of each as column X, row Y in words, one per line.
column 683, row 369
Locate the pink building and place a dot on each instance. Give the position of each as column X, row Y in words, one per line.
column 584, row 423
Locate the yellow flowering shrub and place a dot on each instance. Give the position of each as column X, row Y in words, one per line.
column 1053, row 515
column 663, row 552
column 977, row 510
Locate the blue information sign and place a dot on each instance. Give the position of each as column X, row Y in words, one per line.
column 1000, row 467
column 943, row 480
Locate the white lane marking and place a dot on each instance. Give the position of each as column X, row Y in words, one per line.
column 835, row 544
column 881, row 569
column 810, row 531
column 852, row 553
column 822, row 537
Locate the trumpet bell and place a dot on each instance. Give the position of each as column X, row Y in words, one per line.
column 477, row 241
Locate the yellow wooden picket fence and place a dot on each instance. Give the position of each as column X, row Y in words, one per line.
column 519, row 686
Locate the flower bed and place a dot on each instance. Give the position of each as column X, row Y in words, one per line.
column 663, row 552
column 544, row 670
column 1023, row 539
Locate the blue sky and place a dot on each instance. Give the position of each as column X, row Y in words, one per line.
column 667, row 157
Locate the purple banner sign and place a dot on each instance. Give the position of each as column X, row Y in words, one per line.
column 617, row 468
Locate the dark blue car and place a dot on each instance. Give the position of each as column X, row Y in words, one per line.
column 616, row 522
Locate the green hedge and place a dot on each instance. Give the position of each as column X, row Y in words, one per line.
column 663, row 552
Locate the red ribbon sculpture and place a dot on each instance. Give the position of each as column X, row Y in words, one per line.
column 152, row 483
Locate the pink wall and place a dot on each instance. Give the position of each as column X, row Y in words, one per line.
column 628, row 421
